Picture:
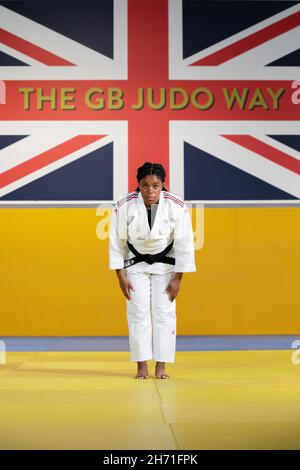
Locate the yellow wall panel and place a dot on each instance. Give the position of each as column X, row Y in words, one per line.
column 96, row 305
column 33, row 271
column 55, row 278
column 268, row 270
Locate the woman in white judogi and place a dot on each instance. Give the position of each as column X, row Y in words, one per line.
column 151, row 245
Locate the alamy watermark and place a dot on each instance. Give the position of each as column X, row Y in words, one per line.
column 196, row 218
column 295, row 358
column 2, row 92
column 2, row 352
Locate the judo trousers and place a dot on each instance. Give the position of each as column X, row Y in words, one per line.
column 151, row 318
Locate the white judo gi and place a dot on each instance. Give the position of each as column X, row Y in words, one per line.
column 151, row 315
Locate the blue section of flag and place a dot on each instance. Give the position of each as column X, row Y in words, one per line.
column 209, row 178
column 289, row 60
column 292, row 141
column 208, row 22
column 6, row 140
column 88, row 22
column 9, row 61
column 88, row 178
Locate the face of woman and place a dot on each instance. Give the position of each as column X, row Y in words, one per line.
column 150, row 187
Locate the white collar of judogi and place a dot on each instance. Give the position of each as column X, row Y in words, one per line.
column 154, row 232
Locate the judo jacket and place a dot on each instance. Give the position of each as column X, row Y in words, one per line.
column 172, row 223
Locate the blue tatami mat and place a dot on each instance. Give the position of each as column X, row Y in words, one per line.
column 121, row 343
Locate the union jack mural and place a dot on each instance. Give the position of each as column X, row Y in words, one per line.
column 216, row 80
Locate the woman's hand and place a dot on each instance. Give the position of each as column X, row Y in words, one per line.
column 174, row 286
column 125, row 284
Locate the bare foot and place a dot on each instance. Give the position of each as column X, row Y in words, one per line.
column 142, row 372
column 160, row 372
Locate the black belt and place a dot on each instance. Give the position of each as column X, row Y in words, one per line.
column 150, row 259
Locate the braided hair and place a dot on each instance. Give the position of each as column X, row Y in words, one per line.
column 149, row 168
